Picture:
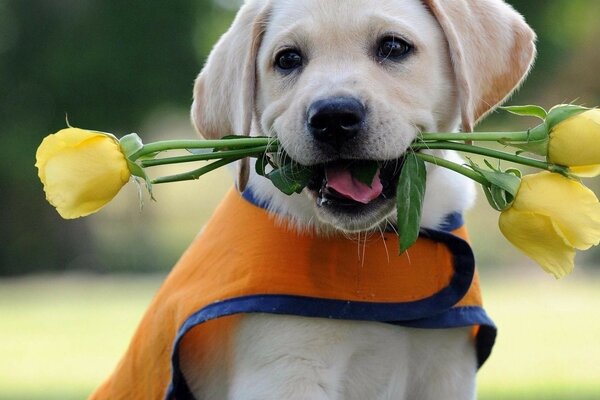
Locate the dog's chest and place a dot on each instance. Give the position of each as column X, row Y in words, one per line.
column 284, row 357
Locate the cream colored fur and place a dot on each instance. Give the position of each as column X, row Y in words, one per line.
column 470, row 55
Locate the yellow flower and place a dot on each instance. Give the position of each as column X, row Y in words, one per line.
column 575, row 143
column 550, row 218
column 81, row 170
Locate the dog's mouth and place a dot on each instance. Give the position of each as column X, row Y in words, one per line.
column 336, row 185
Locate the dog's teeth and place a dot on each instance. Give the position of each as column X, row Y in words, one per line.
column 323, row 201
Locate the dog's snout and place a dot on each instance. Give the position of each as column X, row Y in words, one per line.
column 335, row 120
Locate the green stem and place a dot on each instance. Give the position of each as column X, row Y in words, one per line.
column 195, row 174
column 238, row 148
column 225, row 154
column 469, row 173
column 484, row 152
column 165, row 145
column 522, row 136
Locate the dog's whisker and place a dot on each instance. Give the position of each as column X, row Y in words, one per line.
column 392, row 226
column 358, row 246
column 364, row 249
column 381, row 234
column 408, row 256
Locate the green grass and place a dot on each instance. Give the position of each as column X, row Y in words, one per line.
column 548, row 343
column 60, row 336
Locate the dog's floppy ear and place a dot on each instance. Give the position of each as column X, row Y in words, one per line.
column 491, row 49
column 224, row 91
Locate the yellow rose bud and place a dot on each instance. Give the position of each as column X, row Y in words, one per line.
column 575, row 143
column 81, row 170
column 550, row 218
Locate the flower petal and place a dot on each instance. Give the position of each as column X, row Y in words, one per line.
column 535, row 235
column 81, row 171
column 574, row 141
column 585, row 171
column 55, row 143
column 568, row 203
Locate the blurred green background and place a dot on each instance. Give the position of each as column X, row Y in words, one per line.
column 71, row 292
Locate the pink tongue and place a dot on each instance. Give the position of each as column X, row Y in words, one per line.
column 340, row 179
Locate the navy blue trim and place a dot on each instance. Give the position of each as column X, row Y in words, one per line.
column 248, row 195
column 461, row 317
column 452, row 222
column 452, row 318
column 486, row 337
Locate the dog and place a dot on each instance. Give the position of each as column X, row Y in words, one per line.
column 335, row 82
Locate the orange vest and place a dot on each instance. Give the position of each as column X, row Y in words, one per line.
column 243, row 262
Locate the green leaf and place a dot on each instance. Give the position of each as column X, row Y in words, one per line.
column 504, row 180
column 364, row 171
column 409, row 200
column 130, row 144
column 139, row 172
column 502, row 198
column 527, row 111
column 490, row 199
column 503, row 185
column 290, row 178
column 515, row 172
column 261, row 165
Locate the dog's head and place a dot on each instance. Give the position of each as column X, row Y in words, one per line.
column 342, row 81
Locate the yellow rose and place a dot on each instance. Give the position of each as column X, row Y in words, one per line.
column 575, row 143
column 81, row 170
column 550, row 218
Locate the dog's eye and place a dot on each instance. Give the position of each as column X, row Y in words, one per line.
column 393, row 48
column 288, row 59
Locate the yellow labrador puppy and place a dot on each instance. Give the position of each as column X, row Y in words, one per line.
column 334, row 81
column 345, row 80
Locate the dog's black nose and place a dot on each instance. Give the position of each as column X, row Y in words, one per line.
column 335, row 120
